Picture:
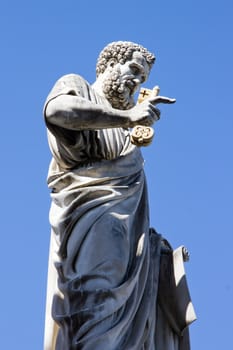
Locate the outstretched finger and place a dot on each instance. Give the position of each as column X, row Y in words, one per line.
column 161, row 99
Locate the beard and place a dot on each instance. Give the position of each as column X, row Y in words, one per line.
column 115, row 90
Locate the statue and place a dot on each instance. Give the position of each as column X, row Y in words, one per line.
column 114, row 283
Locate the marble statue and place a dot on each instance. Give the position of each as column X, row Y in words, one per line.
column 114, row 283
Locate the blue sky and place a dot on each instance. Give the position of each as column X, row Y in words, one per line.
column 188, row 166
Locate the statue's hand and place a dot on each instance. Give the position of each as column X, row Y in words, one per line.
column 145, row 113
column 186, row 255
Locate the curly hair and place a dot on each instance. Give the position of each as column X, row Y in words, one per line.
column 121, row 51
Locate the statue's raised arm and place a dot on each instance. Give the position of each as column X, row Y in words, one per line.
column 116, row 83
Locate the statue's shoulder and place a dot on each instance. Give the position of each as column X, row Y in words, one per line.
column 69, row 84
column 72, row 80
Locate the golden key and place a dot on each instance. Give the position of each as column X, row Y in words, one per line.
column 143, row 135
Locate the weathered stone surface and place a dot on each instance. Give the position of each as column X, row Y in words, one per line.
column 107, row 268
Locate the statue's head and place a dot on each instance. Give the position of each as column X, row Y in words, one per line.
column 123, row 66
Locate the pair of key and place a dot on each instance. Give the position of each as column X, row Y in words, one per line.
column 143, row 135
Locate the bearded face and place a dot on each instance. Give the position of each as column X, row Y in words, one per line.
column 118, row 90
column 120, row 81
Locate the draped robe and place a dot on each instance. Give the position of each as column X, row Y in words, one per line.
column 104, row 259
